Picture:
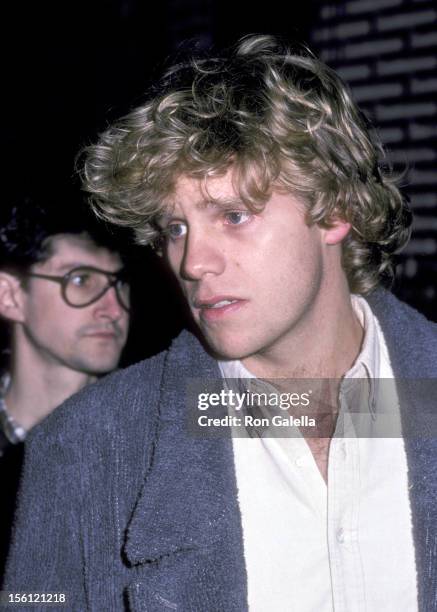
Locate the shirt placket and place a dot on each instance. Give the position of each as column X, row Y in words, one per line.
column 348, row 589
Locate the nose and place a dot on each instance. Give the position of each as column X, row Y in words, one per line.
column 203, row 254
column 108, row 306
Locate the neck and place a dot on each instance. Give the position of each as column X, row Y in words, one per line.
column 38, row 387
column 324, row 343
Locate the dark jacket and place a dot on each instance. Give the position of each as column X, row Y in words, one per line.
column 120, row 507
column 11, row 460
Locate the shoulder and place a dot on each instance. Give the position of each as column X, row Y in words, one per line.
column 126, row 399
column 100, row 404
column 393, row 313
column 411, row 338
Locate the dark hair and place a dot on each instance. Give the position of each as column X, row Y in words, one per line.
column 28, row 222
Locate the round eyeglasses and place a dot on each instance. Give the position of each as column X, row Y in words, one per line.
column 85, row 285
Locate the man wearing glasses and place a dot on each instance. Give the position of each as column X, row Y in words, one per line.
column 65, row 298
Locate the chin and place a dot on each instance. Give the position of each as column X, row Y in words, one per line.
column 230, row 349
column 107, row 367
column 99, row 368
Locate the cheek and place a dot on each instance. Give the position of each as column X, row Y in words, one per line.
column 173, row 253
column 41, row 315
column 289, row 268
column 125, row 321
column 174, row 261
column 44, row 300
column 59, row 319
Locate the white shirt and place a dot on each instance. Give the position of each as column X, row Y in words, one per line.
column 346, row 546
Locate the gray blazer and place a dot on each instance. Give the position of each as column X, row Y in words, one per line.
column 120, row 508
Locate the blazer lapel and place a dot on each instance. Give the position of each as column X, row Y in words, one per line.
column 416, row 377
column 186, row 528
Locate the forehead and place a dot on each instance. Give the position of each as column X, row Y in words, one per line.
column 69, row 251
column 201, row 192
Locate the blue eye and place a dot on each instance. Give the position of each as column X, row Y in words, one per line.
column 176, row 230
column 237, row 217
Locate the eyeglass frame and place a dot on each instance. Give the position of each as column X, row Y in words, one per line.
column 117, row 277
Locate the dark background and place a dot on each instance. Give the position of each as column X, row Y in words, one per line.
column 70, row 68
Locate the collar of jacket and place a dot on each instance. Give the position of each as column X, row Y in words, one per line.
column 187, row 521
column 412, row 346
column 186, row 528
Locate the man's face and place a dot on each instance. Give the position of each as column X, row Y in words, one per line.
column 88, row 339
column 250, row 279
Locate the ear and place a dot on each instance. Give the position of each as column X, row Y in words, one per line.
column 337, row 232
column 11, row 298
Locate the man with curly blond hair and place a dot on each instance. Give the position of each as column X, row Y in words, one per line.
column 256, row 177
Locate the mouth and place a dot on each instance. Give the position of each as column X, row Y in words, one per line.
column 102, row 335
column 215, row 308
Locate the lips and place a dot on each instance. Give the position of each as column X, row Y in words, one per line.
column 104, row 334
column 216, row 307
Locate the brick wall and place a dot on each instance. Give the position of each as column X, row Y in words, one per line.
column 387, row 51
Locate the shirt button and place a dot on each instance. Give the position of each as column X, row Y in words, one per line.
column 340, row 536
column 300, row 462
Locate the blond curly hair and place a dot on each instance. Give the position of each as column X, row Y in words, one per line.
column 282, row 120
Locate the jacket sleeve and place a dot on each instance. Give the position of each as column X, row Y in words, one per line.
column 45, row 555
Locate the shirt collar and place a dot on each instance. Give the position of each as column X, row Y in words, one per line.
column 367, row 364
column 369, row 356
column 14, row 432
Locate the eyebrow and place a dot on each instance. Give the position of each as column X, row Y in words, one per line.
column 71, row 265
column 223, row 203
